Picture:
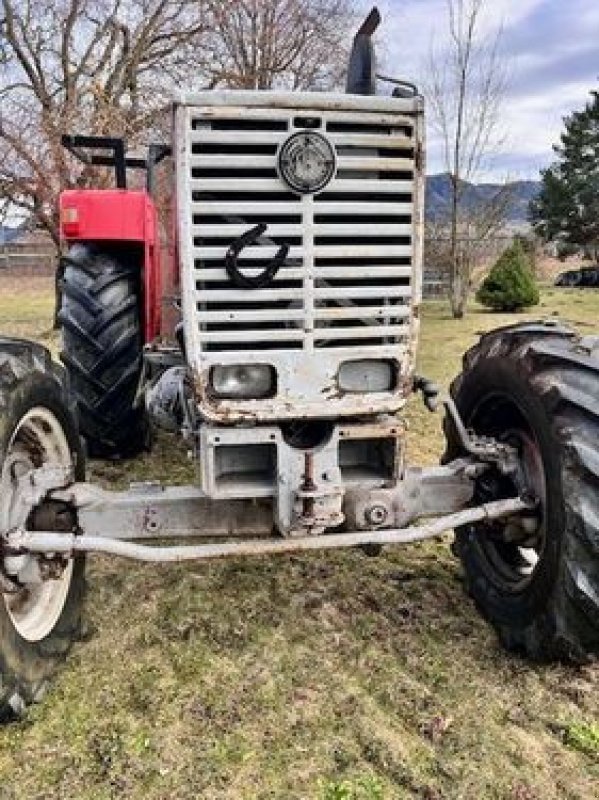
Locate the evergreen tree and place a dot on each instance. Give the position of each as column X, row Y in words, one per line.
column 510, row 285
column 567, row 208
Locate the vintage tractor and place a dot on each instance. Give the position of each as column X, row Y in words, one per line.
column 297, row 263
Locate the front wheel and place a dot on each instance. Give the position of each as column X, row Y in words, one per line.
column 39, row 619
column 536, row 387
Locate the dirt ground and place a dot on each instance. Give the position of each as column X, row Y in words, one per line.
column 320, row 677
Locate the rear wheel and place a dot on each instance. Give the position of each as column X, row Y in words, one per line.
column 38, row 619
column 102, row 348
column 537, row 580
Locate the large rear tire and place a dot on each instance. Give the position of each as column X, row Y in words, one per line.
column 537, row 387
column 38, row 621
column 102, row 348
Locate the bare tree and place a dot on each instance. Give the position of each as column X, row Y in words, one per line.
column 268, row 44
column 467, row 84
column 109, row 67
column 94, row 66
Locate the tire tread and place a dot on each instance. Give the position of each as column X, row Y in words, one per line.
column 27, row 369
column 102, row 349
column 563, row 371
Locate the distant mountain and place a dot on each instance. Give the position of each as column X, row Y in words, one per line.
column 8, row 234
column 521, row 193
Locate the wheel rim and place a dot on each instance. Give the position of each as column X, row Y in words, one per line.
column 512, row 550
column 38, row 439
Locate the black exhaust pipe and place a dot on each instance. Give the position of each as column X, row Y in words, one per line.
column 361, row 71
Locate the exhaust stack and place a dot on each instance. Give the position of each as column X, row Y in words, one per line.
column 361, row 71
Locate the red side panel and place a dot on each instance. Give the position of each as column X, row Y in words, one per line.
column 95, row 214
column 118, row 215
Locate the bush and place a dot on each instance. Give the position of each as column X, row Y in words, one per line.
column 510, row 285
column 583, row 737
column 531, row 246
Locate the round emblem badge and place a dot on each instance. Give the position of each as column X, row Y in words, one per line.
column 307, row 162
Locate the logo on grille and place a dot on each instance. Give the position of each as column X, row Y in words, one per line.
column 307, row 162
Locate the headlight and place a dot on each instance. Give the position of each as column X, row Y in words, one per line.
column 366, row 375
column 243, row 381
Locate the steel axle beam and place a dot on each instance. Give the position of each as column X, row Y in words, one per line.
column 50, row 542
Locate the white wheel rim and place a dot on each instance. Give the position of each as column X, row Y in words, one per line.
column 38, row 439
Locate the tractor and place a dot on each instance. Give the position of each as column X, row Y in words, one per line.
column 295, row 269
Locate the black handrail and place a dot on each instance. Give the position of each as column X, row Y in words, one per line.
column 114, row 155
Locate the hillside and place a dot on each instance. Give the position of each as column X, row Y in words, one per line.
column 438, row 193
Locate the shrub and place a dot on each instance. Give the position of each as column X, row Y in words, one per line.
column 583, row 737
column 510, row 285
column 531, row 246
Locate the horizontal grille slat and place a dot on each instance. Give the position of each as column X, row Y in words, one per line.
column 347, row 208
column 371, row 251
column 208, row 136
column 247, row 296
column 222, row 185
column 219, row 275
column 258, row 315
column 368, row 349
column 351, row 229
column 265, row 252
column 363, row 163
column 366, row 185
column 363, row 186
column 370, row 141
column 366, row 312
column 253, row 335
column 347, row 230
column 355, row 162
column 292, row 314
column 357, row 292
column 348, row 251
column 372, row 332
column 339, row 118
column 356, row 273
column 230, row 231
column 236, row 160
column 239, row 209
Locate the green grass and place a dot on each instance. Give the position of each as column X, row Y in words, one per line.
column 317, row 676
column 368, row 788
column 583, row 737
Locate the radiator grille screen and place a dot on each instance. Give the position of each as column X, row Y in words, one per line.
column 347, row 280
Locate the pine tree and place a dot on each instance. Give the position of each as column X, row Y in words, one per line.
column 567, row 208
column 510, row 285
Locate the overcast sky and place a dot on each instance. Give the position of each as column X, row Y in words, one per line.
column 552, row 50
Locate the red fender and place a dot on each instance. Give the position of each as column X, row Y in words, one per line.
column 118, row 215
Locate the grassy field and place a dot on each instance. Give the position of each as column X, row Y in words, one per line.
column 325, row 677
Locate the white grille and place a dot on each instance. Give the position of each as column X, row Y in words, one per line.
column 347, row 285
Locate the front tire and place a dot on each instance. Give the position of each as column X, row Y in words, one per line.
column 537, row 387
column 38, row 621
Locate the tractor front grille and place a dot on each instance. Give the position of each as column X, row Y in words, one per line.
column 349, row 282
